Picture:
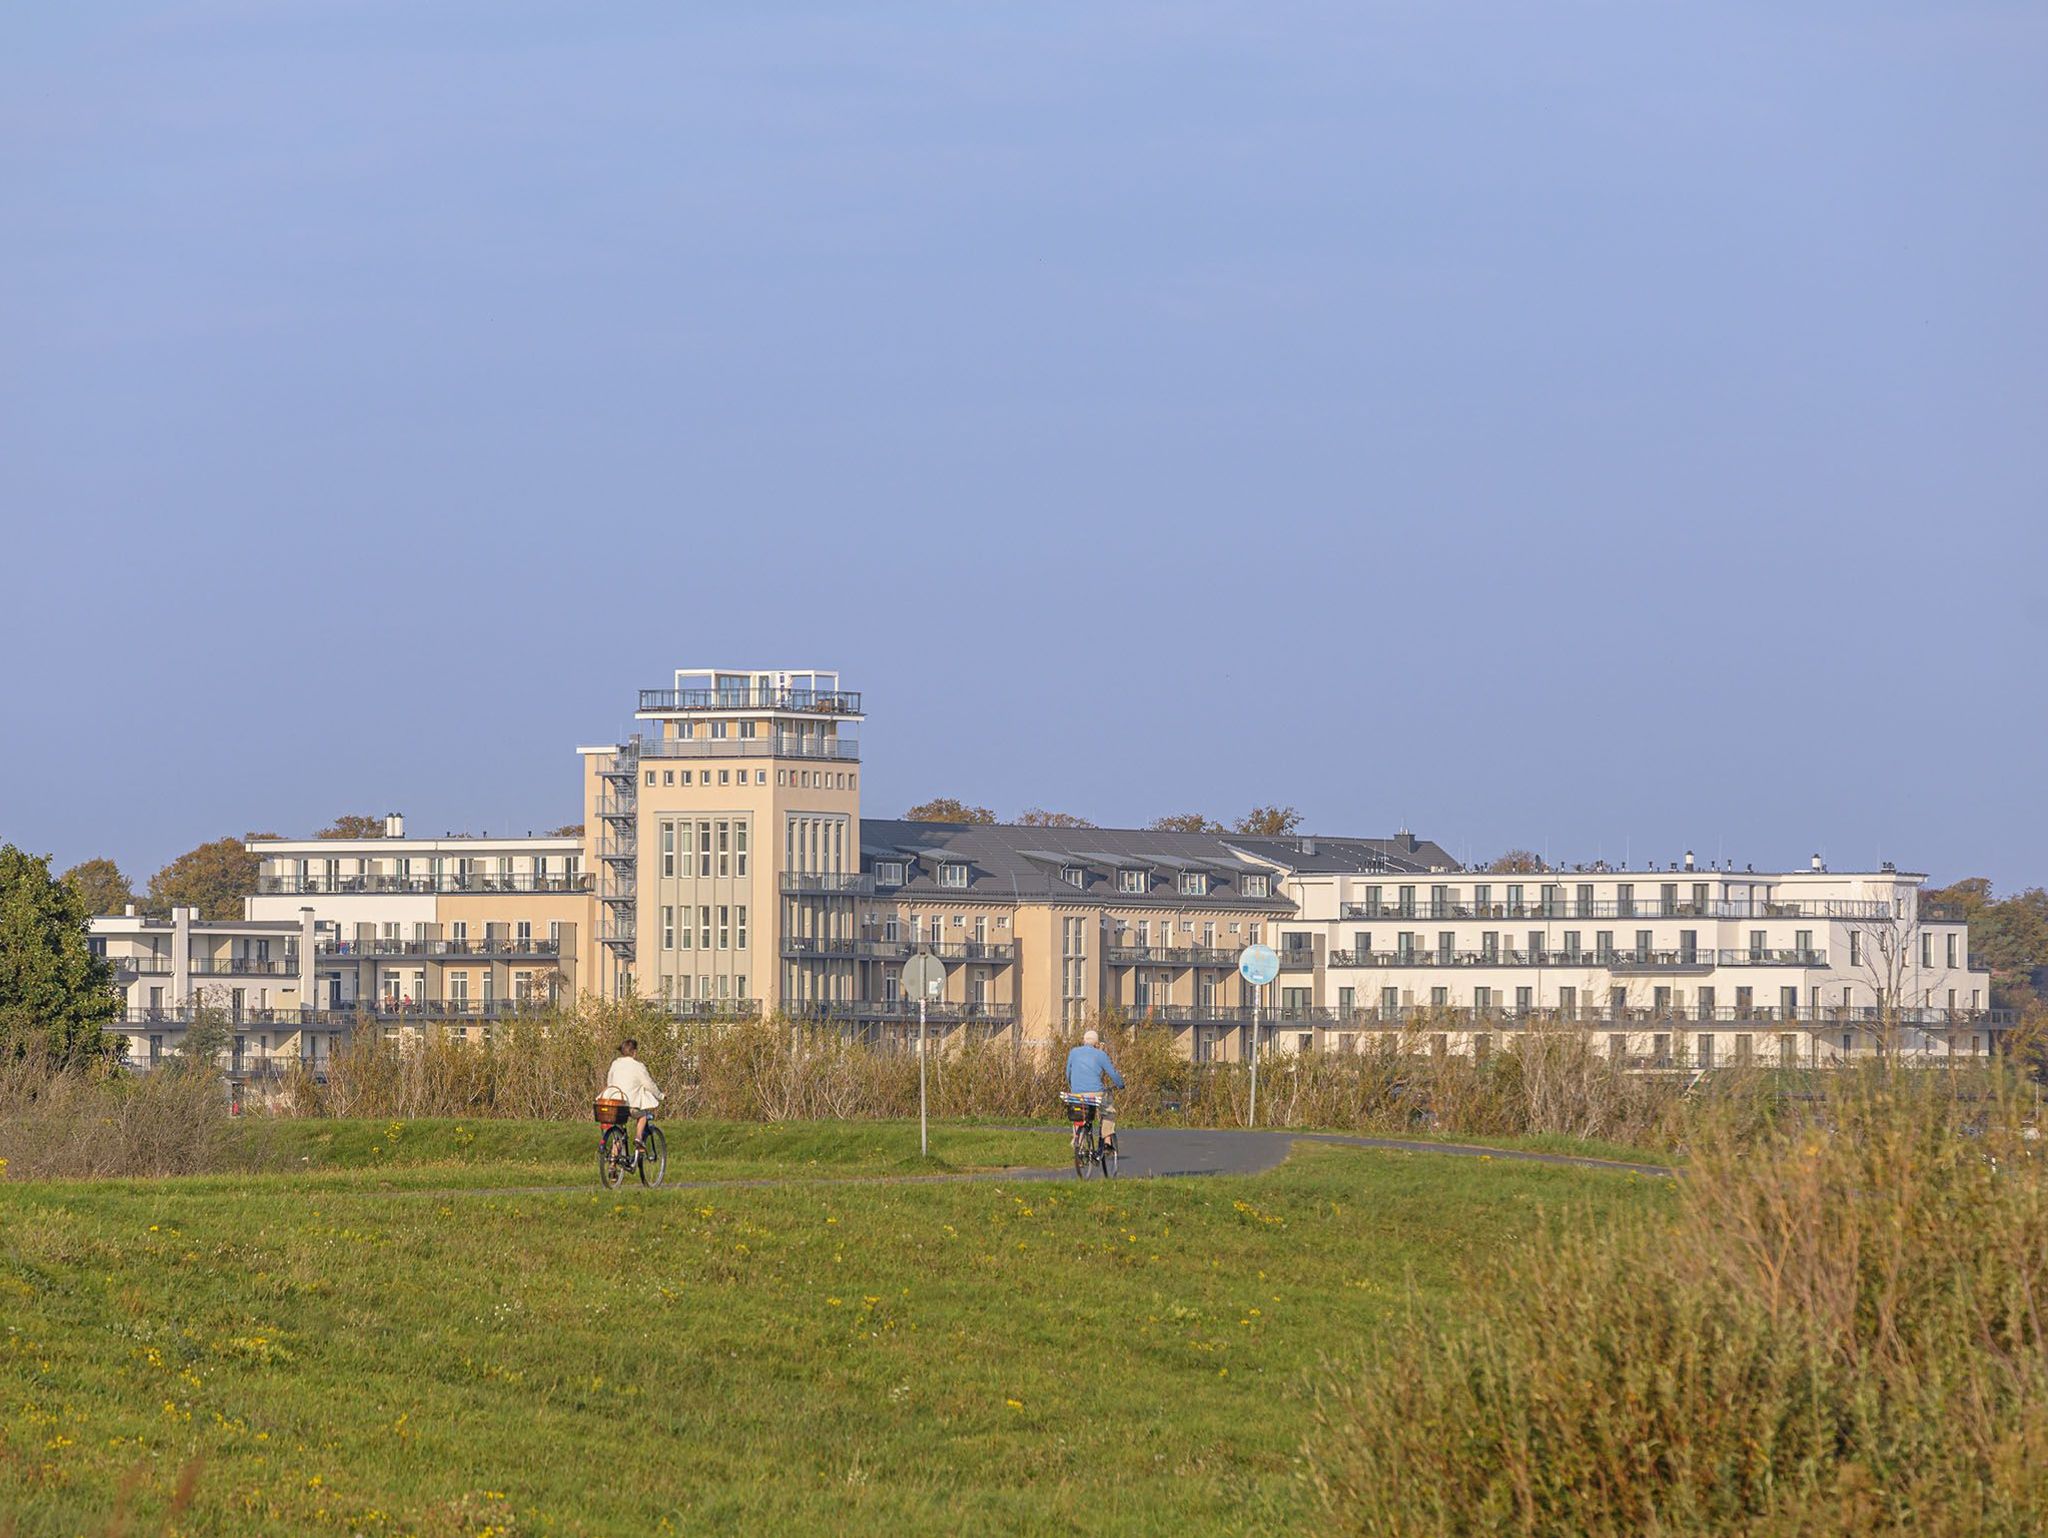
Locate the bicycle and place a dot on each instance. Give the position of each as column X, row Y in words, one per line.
column 616, row 1153
column 1090, row 1151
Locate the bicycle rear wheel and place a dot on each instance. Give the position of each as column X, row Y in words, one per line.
column 1084, row 1154
column 612, row 1156
column 654, row 1158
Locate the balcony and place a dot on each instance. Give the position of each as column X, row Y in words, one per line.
column 140, row 966
column 243, row 966
column 1501, row 1017
column 275, row 886
column 837, row 886
column 1297, row 959
column 710, row 1009
column 999, row 953
column 1171, row 956
column 370, row 949
column 941, row 1012
column 822, row 702
column 1617, row 908
column 841, row 750
column 1618, row 960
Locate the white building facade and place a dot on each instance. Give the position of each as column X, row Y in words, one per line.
column 1674, row 967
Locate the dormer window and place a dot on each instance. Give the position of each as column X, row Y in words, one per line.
column 1193, row 884
column 952, row 874
column 1258, row 886
column 888, row 873
column 1137, row 881
column 1074, row 875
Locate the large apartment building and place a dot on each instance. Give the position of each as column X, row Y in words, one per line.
column 724, row 870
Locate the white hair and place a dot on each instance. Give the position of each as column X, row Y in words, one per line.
column 1090, row 1037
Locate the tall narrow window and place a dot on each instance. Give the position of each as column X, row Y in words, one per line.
column 739, row 848
column 668, row 849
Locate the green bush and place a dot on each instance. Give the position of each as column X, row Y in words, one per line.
column 1841, row 1333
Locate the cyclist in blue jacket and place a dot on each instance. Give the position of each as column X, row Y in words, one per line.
column 1091, row 1073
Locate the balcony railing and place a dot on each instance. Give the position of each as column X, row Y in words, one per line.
column 243, row 966
column 1616, row 960
column 825, row 702
column 1171, row 956
column 710, row 1009
column 474, row 882
column 843, row 750
column 538, row 947
column 1300, row 959
column 141, row 966
column 941, row 1012
column 1615, row 908
column 1500, row 1017
column 830, row 885
column 992, row 952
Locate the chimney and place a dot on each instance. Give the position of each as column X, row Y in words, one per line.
column 131, row 910
column 1688, row 859
column 1308, row 845
column 1816, row 863
column 394, row 825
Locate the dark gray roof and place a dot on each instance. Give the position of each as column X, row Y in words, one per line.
column 1320, row 854
column 1007, row 861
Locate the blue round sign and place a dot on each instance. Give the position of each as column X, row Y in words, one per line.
column 1258, row 964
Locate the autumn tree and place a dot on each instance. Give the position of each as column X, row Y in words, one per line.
column 1039, row 817
column 567, row 830
column 2007, row 934
column 1185, row 822
column 948, row 809
column 56, row 997
column 100, row 886
column 212, row 878
column 1268, row 822
column 353, row 825
column 1517, row 862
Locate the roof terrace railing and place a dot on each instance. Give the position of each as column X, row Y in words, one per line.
column 828, row 702
column 476, row 946
column 1617, row 959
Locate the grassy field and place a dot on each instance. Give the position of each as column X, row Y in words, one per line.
column 1017, row 1357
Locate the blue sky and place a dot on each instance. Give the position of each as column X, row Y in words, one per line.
column 1596, row 427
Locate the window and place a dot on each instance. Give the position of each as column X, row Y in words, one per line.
column 739, row 848
column 740, row 930
column 1258, row 886
column 1132, row 880
column 1927, row 950
column 724, row 778
column 704, row 927
column 889, row 873
column 668, row 928
column 1705, row 1055
column 1074, row 875
column 668, row 776
column 1193, row 883
column 724, row 927
column 668, row 849
column 725, row 849
column 650, row 777
column 1951, row 950
column 1855, row 949
column 703, row 848
column 952, row 874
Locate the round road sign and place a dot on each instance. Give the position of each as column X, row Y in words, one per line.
column 1258, row 964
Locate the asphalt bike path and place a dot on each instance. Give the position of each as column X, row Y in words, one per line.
column 1145, row 1153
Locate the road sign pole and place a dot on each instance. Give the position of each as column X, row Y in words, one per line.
column 924, row 1145
column 1258, row 996
column 1258, row 965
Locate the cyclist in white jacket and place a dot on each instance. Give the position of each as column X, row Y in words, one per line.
column 629, row 1079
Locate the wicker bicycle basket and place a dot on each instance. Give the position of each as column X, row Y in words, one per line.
column 608, row 1111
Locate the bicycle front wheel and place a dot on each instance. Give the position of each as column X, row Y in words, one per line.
column 613, row 1154
column 1108, row 1157
column 654, row 1158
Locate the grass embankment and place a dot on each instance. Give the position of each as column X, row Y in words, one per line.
column 1132, row 1358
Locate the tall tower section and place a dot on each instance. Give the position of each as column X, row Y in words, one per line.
column 726, row 839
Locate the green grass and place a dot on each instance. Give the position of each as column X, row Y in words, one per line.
column 432, row 1153
column 1019, row 1357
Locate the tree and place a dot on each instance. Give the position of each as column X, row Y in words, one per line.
column 1517, row 862
column 212, row 878
column 208, row 1036
column 2007, row 934
column 100, row 886
column 567, row 830
column 353, row 825
column 1039, row 817
column 56, row 997
column 1185, row 822
column 1268, row 822
column 948, row 809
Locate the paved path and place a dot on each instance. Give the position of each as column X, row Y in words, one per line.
column 1147, row 1153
